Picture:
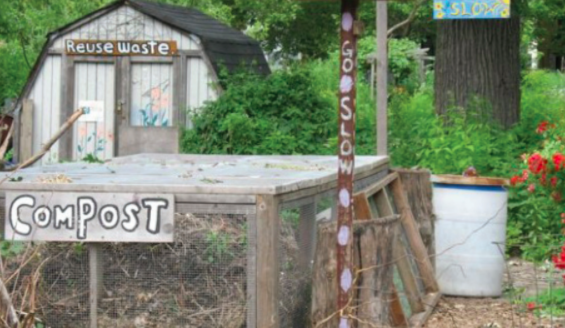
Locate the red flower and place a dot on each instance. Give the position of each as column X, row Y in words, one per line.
column 558, row 261
column 536, row 163
column 556, row 196
column 543, row 179
column 515, row 179
column 559, row 161
column 553, row 182
column 525, row 175
column 532, row 188
column 563, row 216
column 542, row 127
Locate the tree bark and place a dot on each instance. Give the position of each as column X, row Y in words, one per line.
column 479, row 59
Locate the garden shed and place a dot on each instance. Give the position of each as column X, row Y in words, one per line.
column 139, row 67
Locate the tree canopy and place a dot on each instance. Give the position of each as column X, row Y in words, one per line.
column 285, row 27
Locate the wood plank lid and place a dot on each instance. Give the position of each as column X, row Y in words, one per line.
column 471, row 181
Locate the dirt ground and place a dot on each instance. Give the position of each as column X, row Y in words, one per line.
column 524, row 279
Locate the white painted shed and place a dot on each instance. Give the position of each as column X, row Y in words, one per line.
column 140, row 66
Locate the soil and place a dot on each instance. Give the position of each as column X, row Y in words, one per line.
column 522, row 280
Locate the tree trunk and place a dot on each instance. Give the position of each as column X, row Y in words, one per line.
column 479, row 59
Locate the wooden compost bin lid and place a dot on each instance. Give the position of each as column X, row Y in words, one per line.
column 198, row 174
column 471, row 181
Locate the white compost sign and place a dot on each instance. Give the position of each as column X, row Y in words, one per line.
column 89, row 217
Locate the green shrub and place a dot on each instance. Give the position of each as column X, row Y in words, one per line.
column 278, row 114
column 444, row 144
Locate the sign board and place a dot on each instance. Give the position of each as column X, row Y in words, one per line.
column 120, row 48
column 89, row 217
column 94, row 111
column 471, row 9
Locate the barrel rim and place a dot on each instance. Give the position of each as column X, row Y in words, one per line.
column 470, row 181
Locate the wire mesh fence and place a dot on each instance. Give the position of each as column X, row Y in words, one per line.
column 200, row 280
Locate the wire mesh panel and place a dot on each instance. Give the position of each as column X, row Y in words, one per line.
column 198, row 281
column 56, row 274
column 296, row 242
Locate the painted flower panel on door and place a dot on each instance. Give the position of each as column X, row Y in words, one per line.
column 151, row 95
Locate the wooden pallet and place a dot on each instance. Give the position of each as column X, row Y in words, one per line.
column 416, row 293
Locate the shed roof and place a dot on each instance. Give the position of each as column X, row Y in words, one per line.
column 224, row 45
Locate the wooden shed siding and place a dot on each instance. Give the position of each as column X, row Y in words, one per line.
column 200, row 85
column 126, row 23
column 46, row 97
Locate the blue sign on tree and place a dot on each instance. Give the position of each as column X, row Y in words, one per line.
column 471, row 9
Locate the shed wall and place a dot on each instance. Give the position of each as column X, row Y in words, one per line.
column 123, row 23
column 46, row 97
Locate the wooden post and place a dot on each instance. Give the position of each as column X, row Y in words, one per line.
column 418, row 189
column 26, row 136
column 95, row 278
column 382, row 83
column 66, row 150
column 413, row 235
column 268, row 266
column 307, row 231
column 346, row 141
column 324, row 286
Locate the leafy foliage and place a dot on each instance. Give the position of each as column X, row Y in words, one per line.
column 447, row 144
column 278, row 114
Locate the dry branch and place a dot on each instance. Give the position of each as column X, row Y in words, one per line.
column 408, row 20
column 67, row 125
column 7, row 311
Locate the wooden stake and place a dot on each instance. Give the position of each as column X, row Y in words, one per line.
column 346, row 156
column 382, row 83
column 6, row 142
column 96, row 274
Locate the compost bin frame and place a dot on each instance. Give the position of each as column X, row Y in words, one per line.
column 260, row 201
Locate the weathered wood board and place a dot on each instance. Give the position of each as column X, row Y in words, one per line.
column 198, row 174
column 89, row 217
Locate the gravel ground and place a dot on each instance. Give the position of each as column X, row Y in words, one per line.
column 525, row 279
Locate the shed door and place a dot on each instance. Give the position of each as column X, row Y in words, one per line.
column 93, row 134
column 147, row 117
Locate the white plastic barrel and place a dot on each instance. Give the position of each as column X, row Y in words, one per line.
column 470, row 232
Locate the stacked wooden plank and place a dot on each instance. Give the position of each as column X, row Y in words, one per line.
column 394, row 277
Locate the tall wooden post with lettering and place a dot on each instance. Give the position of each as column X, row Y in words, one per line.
column 347, row 92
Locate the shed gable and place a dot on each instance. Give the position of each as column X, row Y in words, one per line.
column 126, row 23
